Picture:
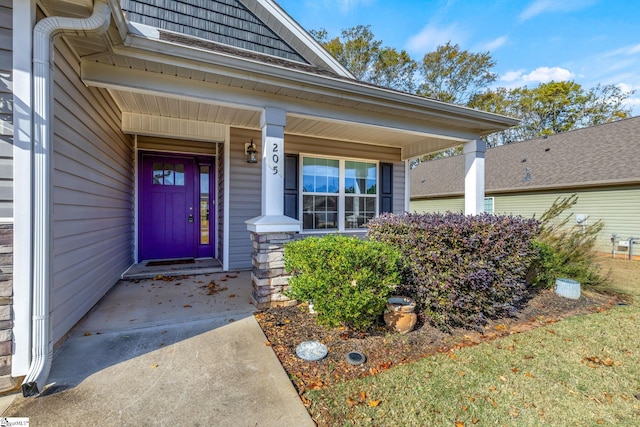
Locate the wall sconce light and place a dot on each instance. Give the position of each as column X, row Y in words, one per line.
column 251, row 151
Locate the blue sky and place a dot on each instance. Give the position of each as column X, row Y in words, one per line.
column 533, row 41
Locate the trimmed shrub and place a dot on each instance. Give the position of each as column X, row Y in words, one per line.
column 565, row 251
column 461, row 270
column 348, row 279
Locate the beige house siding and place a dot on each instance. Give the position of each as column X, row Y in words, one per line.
column 93, row 180
column 617, row 207
column 152, row 143
column 447, row 204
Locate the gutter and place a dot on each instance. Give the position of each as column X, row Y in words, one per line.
column 44, row 34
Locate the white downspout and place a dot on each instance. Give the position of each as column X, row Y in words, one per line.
column 44, row 34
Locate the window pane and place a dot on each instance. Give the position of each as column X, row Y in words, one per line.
column 360, row 177
column 319, row 212
column 320, row 175
column 179, row 177
column 204, row 203
column 358, row 210
column 168, row 174
column 158, row 172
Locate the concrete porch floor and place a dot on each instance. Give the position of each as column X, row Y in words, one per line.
column 165, row 352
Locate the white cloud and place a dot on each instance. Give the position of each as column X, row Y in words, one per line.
column 432, row 36
column 547, row 74
column 494, row 44
column 516, row 78
column 539, row 7
column 511, row 76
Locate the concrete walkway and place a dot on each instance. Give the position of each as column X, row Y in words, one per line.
column 158, row 352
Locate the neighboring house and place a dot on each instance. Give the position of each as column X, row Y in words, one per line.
column 127, row 127
column 600, row 163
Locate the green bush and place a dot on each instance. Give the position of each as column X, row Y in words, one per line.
column 348, row 279
column 566, row 251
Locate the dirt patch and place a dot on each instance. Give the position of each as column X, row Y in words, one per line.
column 285, row 328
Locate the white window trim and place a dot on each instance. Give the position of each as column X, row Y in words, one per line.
column 341, row 193
column 493, row 204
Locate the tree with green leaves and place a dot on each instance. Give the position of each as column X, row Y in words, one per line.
column 356, row 49
column 551, row 108
column 453, row 75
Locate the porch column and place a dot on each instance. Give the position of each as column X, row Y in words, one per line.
column 272, row 229
column 474, row 176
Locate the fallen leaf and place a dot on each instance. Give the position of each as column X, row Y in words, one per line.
column 232, row 295
column 501, row 327
column 608, row 397
column 232, row 276
column 351, row 402
column 154, row 366
column 475, row 421
column 459, row 423
column 514, row 370
column 268, row 344
column 86, row 334
column 187, row 306
column 503, row 378
column 461, row 373
column 528, row 357
column 177, row 284
column 363, row 396
column 528, row 375
column 493, row 402
column 374, row 403
column 464, row 408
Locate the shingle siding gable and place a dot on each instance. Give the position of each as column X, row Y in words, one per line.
column 227, row 22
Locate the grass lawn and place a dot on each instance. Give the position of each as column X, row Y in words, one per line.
column 581, row 371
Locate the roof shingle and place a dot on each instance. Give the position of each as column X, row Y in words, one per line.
column 601, row 155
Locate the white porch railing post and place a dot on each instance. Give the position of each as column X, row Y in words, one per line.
column 474, row 176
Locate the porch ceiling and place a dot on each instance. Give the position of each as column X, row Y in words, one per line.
column 165, row 107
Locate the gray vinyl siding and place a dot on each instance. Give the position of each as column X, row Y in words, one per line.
column 176, row 145
column 244, row 197
column 245, row 187
column 617, row 207
column 93, row 194
column 446, row 204
column 6, row 110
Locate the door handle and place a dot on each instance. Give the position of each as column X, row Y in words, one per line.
column 190, row 218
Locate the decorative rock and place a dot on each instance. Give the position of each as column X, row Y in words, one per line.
column 311, row 351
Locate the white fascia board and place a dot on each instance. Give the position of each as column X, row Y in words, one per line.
column 232, row 66
column 300, row 33
column 138, row 81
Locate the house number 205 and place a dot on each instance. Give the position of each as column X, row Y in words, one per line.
column 275, row 158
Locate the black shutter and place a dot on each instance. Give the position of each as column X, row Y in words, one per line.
column 291, row 186
column 386, row 187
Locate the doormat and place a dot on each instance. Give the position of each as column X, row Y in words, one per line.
column 170, row 262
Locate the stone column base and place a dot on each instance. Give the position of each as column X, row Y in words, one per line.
column 269, row 278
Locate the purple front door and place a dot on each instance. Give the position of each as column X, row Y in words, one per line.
column 174, row 193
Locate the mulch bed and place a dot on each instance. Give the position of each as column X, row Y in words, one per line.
column 285, row 328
